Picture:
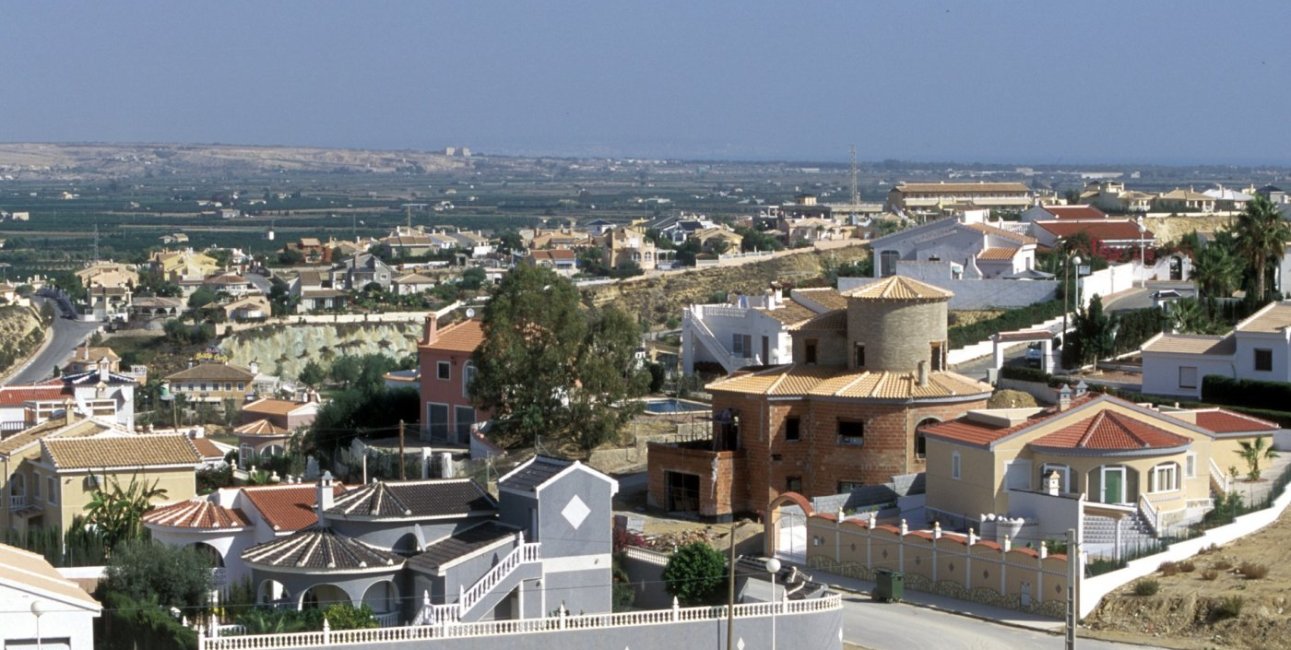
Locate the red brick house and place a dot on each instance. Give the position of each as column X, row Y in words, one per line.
column 844, row 415
column 444, row 361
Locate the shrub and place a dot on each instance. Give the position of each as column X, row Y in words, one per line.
column 1253, row 571
column 1186, row 566
column 1146, row 587
column 1169, row 568
column 1226, row 607
column 1013, row 319
column 1209, row 574
column 343, row 616
column 694, row 572
column 1244, row 392
column 1222, row 565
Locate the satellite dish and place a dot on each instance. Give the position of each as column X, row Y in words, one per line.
column 470, row 312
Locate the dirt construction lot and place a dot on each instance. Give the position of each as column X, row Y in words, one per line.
column 1211, row 605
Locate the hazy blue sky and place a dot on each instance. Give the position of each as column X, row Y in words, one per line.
column 1161, row 81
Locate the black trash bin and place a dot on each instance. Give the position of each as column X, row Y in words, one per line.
column 890, row 586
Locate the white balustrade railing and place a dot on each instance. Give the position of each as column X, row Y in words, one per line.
column 1218, row 475
column 519, row 555
column 520, row 626
column 1150, row 513
column 17, row 502
column 646, row 555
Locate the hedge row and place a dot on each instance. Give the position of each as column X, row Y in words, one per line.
column 1250, row 393
column 1023, row 373
column 1013, row 319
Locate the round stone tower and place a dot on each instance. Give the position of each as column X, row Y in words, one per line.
column 896, row 323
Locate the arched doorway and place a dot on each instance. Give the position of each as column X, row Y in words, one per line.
column 211, row 553
column 271, row 591
column 786, row 527
column 383, row 598
column 324, row 596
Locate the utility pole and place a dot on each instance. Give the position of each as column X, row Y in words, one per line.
column 856, row 189
column 96, row 242
column 403, row 470
column 1073, row 576
column 730, row 595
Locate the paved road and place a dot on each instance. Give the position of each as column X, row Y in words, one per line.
column 67, row 335
column 977, row 368
column 880, row 626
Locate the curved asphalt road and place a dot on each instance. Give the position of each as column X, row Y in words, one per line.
column 68, row 334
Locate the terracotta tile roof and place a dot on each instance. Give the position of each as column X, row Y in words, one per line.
column 830, row 321
column 819, row 381
column 262, row 428
column 789, row 313
column 1274, row 318
column 975, row 432
column 121, row 451
column 1192, row 344
column 213, row 372
column 413, row 499
column 554, row 255
column 1002, row 233
column 1222, row 421
column 829, row 298
column 272, row 406
column 207, row 449
column 962, row 188
column 35, row 434
column 17, row 395
column 322, row 550
column 459, row 337
column 997, row 254
column 1111, row 431
column 287, row 508
column 899, row 287
column 196, row 513
column 1107, row 229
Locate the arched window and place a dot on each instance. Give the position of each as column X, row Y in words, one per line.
column 921, row 440
column 1164, row 478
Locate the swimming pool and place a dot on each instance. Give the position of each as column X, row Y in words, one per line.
column 672, row 405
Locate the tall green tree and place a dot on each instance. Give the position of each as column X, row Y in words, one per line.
column 1093, row 337
column 694, row 573
column 170, row 576
column 1261, row 236
column 547, row 369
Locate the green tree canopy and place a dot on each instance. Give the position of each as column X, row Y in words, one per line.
column 694, row 573
column 201, row 298
column 549, row 368
column 171, row 576
column 1092, row 337
column 312, row 374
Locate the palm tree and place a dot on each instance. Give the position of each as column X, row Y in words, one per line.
column 118, row 513
column 1262, row 236
column 1216, row 271
column 1254, row 451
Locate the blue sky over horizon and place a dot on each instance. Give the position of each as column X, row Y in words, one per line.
column 1039, row 82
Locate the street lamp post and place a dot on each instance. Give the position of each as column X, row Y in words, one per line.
column 1066, row 291
column 773, row 567
column 38, row 608
column 1143, row 260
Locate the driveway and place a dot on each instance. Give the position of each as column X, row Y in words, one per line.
column 897, row 626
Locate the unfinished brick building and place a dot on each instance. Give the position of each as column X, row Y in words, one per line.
column 843, row 415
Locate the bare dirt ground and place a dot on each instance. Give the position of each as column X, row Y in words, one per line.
column 1188, row 612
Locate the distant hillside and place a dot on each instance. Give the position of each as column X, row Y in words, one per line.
column 34, row 161
column 20, row 335
column 657, row 299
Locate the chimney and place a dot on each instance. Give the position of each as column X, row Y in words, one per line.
column 254, row 367
column 324, row 497
column 69, row 413
column 1052, row 484
column 923, row 372
column 432, row 329
column 1064, row 398
column 1081, row 388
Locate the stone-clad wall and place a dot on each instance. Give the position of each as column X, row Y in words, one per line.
column 983, row 571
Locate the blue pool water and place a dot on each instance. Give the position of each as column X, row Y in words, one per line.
column 674, row 405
